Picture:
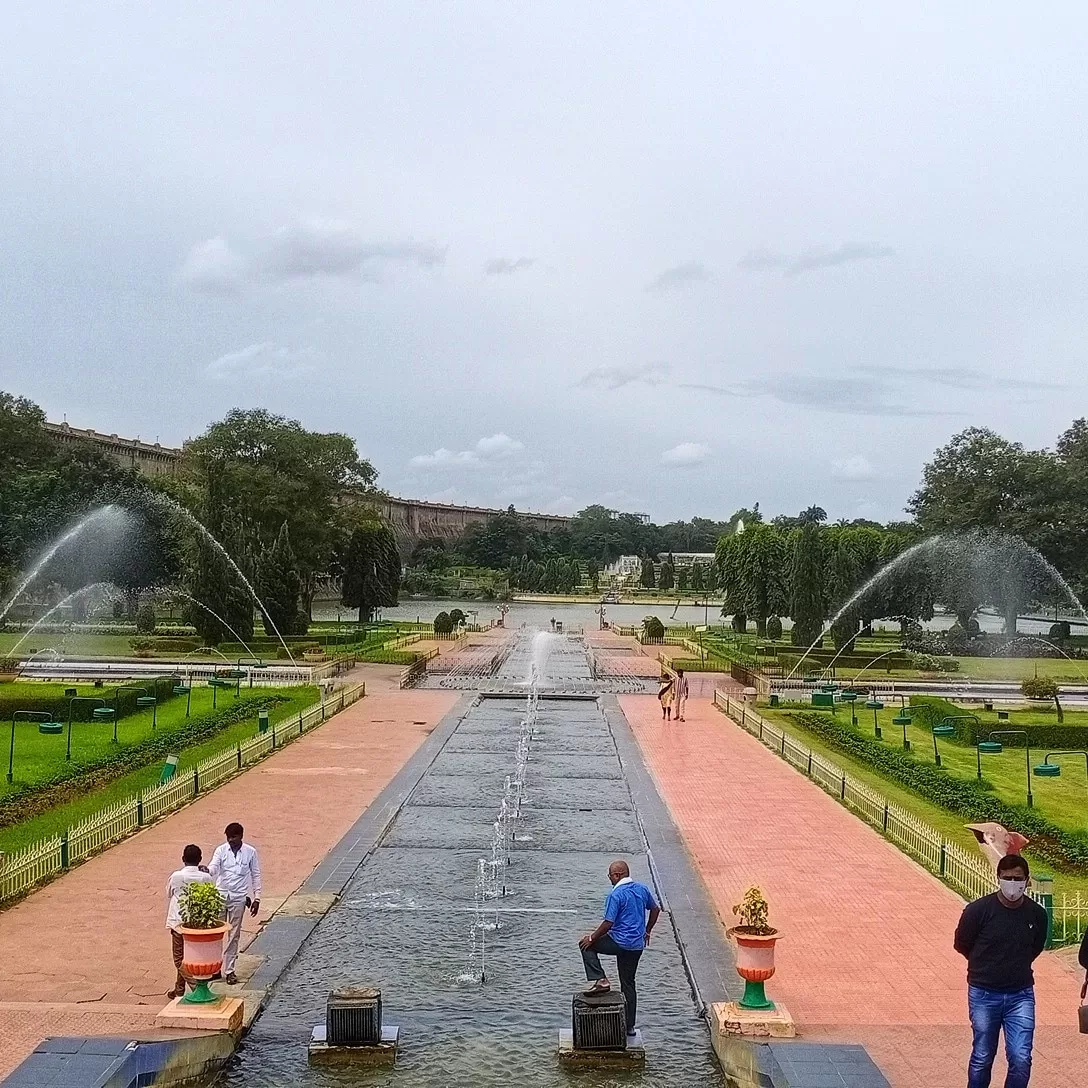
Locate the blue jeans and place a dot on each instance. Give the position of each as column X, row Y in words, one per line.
column 992, row 1011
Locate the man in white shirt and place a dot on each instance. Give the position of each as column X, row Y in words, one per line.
column 189, row 873
column 237, row 874
column 680, row 694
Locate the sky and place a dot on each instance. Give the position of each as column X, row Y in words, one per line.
column 675, row 259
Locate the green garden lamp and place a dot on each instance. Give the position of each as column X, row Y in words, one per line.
column 101, row 713
column 904, row 718
column 40, row 716
column 149, row 701
column 875, row 705
column 1027, row 755
column 850, row 698
column 944, row 729
column 1050, row 769
column 187, row 691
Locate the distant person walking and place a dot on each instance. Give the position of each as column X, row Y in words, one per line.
column 237, row 873
column 680, row 697
column 190, row 872
column 664, row 697
column 1001, row 935
column 630, row 914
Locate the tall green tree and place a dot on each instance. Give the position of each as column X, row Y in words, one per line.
column 648, row 576
column 667, row 578
column 806, row 585
column 753, row 573
column 281, row 587
column 371, row 566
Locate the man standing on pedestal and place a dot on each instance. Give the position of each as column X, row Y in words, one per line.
column 237, row 874
column 624, row 933
column 1001, row 935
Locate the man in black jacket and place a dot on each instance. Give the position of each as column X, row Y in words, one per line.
column 1001, row 935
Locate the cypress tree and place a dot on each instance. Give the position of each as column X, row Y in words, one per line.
column 806, row 586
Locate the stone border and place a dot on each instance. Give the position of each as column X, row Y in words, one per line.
column 707, row 955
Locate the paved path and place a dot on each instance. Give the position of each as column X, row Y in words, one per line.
column 867, row 953
column 89, row 953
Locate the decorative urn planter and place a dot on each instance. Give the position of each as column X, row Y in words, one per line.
column 202, row 960
column 755, row 964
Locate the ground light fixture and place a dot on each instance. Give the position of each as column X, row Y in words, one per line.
column 875, row 705
column 1048, row 768
column 851, row 698
column 942, row 729
column 993, row 747
column 43, row 718
column 904, row 718
column 185, row 689
column 101, row 713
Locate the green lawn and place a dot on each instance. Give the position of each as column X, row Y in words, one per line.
column 62, row 816
column 1006, row 772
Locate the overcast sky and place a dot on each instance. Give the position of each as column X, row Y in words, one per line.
column 675, row 258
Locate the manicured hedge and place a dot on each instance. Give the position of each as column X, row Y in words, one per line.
column 78, row 778
column 1062, row 849
column 930, row 709
column 57, row 705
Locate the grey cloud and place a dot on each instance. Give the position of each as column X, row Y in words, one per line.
column 955, row 377
column 333, row 248
column 214, row 268
column 616, row 377
column 504, row 266
column 812, row 260
column 678, row 275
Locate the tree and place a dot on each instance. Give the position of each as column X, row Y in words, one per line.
column 1043, row 687
column 806, row 586
column 371, row 566
column 843, row 580
column 281, row 587
column 430, row 554
column 652, row 627
column 751, row 569
column 220, row 605
column 145, row 620
column 774, row 628
column 668, row 573
column 261, row 470
column 443, row 624
column 647, row 577
column 698, row 577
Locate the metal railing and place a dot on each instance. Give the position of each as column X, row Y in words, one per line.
column 969, row 875
column 21, row 871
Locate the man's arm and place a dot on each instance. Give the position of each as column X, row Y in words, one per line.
column 1040, row 932
column 1083, row 957
column 216, row 864
column 655, row 913
column 967, row 930
column 255, row 881
column 600, row 931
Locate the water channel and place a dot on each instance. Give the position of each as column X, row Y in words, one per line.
column 409, row 920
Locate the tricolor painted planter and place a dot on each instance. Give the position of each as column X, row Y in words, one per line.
column 202, row 960
column 755, row 964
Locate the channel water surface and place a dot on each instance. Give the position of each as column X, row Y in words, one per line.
column 406, row 922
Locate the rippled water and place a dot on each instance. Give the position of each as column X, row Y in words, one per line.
column 404, row 924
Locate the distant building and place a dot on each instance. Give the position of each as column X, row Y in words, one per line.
column 687, row 560
column 622, row 570
column 149, row 458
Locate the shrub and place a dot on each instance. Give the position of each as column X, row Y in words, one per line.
column 457, row 617
column 145, row 620
column 200, row 906
column 752, row 912
column 774, row 628
column 1061, row 848
column 1039, row 687
column 1059, row 632
column 652, row 627
column 443, row 624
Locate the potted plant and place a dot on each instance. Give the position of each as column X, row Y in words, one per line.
column 755, row 940
column 202, row 929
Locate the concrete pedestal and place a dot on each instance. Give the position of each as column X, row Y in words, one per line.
column 222, row 1015
column 634, row 1053
column 728, row 1018
column 383, row 1053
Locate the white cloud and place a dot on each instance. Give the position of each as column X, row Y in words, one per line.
column 505, row 266
column 494, row 448
column 685, row 455
column 616, row 377
column 857, row 467
column 214, row 267
column 265, row 360
column 679, row 276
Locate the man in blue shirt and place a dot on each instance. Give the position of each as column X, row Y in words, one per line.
column 624, row 933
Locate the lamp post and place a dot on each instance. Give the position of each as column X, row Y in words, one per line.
column 875, row 705
column 25, row 716
column 101, row 713
column 994, row 746
column 1047, row 769
column 185, row 688
column 851, row 699
column 116, row 704
column 946, row 728
column 904, row 718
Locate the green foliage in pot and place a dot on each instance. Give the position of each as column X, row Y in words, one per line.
column 201, row 906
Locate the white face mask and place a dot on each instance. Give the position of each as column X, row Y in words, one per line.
column 1012, row 890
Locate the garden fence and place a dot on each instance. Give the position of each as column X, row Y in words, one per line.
column 41, row 860
column 967, row 873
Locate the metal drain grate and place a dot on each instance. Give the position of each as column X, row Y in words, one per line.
column 354, row 1017
column 599, row 1022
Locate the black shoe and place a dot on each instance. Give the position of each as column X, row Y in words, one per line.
column 231, row 979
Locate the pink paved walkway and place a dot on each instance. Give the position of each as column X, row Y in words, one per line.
column 867, row 954
column 89, row 953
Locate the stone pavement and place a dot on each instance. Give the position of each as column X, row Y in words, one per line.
column 89, row 953
column 867, row 952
